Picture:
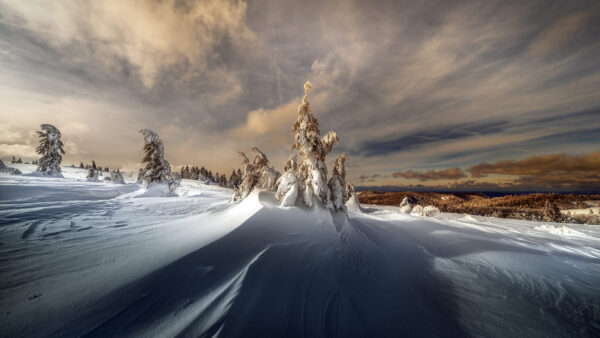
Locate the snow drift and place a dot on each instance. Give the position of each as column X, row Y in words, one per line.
column 199, row 265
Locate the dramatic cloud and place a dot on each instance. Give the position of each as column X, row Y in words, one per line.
column 428, row 84
column 446, row 174
column 144, row 36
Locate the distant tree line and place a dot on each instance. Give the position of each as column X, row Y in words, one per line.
column 203, row 174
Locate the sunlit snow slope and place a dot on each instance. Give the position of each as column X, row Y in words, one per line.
column 96, row 259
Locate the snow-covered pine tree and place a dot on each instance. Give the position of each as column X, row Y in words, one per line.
column 51, row 148
column 287, row 184
column 156, row 169
column 337, row 184
column 13, row 160
column 92, row 175
column 312, row 149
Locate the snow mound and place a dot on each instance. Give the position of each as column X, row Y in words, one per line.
column 427, row 211
column 8, row 170
column 157, row 190
column 561, row 231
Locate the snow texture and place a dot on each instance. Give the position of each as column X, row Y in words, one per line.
column 89, row 259
column 426, row 211
column 51, row 149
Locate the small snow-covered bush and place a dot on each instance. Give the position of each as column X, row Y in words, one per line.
column 92, row 175
column 427, row 211
column 9, row 170
column 117, row 177
column 405, row 206
column 353, row 203
column 51, row 148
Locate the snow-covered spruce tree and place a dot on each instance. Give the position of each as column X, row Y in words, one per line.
column 337, row 184
column 92, row 175
column 157, row 169
column 51, row 148
column 287, row 184
column 313, row 149
column 258, row 174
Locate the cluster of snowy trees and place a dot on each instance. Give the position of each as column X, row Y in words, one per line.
column 305, row 179
column 202, row 174
column 93, row 166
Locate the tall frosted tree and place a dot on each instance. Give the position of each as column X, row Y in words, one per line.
column 156, row 168
column 312, row 149
column 51, row 149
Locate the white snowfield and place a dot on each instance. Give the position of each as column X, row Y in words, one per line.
column 96, row 259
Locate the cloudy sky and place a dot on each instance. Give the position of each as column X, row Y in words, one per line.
column 446, row 94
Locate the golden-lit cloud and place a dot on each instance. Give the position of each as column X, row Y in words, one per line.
column 150, row 35
column 268, row 127
column 558, row 33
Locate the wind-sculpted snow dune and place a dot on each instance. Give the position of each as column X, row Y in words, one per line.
column 200, row 266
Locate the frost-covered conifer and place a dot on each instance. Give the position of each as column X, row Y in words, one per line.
column 51, row 148
column 312, row 149
column 157, row 169
column 287, row 184
column 257, row 174
column 92, row 175
column 337, row 184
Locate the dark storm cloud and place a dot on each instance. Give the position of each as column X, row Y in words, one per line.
column 425, row 137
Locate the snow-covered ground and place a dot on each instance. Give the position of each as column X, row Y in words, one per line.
column 96, row 259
